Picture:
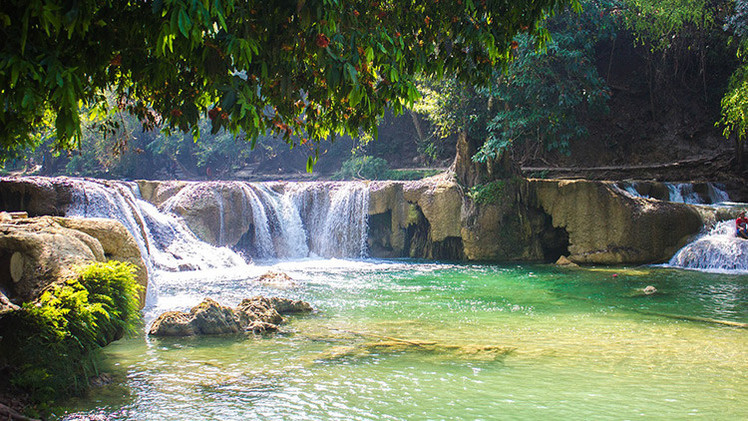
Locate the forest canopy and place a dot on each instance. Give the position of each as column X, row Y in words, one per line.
column 300, row 69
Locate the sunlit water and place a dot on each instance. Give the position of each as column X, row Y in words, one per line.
column 585, row 344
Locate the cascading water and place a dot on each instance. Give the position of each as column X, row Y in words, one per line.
column 280, row 220
column 165, row 242
column 680, row 193
column 264, row 220
column 718, row 250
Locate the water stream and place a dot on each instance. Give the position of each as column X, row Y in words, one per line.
column 584, row 345
column 511, row 342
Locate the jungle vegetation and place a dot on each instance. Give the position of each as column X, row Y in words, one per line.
column 537, row 86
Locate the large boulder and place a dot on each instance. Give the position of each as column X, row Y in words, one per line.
column 217, row 212
column 211, row 318
column 116, row 242
column 35, row 252
column 257, row 315
column 158, row 192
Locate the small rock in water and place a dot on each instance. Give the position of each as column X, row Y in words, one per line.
column 101, row 380
column 649, row 290
column 564, row 261
column 276, row 279
column 256, row 315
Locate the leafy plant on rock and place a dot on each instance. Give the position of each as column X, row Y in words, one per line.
column 51, row 343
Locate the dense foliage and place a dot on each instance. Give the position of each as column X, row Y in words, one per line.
column 301, row 69
column 363, row 167
column 538, row 97
column 50, row 344
column 735, row 102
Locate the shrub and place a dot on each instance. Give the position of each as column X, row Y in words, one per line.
column 489, row 193
column 51, row 343
column 363, row 167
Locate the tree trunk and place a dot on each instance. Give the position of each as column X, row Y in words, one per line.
column 470, row 173
column 417, row 125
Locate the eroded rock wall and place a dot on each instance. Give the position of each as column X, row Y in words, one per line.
column 532, row 220
column 606, row 226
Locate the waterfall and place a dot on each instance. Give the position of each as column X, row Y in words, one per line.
column 165, row 242
column 718, row 250
column 259, row 220
column 336, row 215
column 709, row 193
column 321, row 219
column 278, row 220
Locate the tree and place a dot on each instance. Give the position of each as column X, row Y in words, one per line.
column 735, row 102
column 304, row 69
column 536, row 100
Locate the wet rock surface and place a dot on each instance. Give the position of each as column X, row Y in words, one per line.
column 257, row 315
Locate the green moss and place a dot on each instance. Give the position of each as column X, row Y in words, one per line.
column 489, row 193
column 51, row 344
column 410, row 174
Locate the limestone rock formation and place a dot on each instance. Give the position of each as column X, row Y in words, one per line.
column 257, row 315
column 507, row 229
column 416, row 218
column 116, row 242
column 440, row 200
column 607, row 227
column 158, row 192
column 217, row 213
column 36, row 252
column 36, row 195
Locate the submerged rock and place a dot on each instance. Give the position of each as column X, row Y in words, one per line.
column 257, row 315
column 173, row 323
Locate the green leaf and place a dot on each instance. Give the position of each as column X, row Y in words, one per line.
column 184, row 23
column 352, row 73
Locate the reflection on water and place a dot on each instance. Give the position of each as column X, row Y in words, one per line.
column 410, row 340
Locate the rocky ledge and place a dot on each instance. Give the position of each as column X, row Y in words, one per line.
column 36, row 252
column 256, row 315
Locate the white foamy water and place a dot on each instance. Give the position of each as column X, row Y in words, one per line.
column 165, row 242
column 286, row 220
column 719, row 250
column 682, row 193
column 282, row 220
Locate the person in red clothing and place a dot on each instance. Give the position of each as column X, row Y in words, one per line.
column 741, row 226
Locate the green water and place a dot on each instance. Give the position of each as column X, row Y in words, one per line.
column 407, row 340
